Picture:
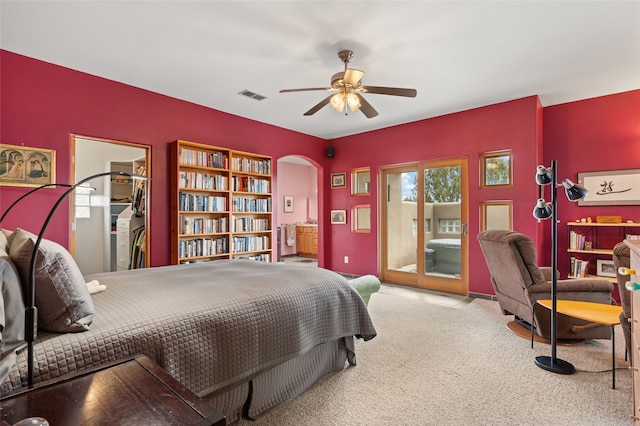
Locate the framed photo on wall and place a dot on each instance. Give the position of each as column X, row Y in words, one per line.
column 24, row 166
column 288, row 203
column 338, row 217
column 339, row 180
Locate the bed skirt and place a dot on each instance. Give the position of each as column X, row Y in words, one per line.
column 282, row 383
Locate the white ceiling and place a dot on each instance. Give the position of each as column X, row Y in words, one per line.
column 458, row 55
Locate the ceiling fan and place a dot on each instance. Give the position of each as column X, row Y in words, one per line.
column 349, row 87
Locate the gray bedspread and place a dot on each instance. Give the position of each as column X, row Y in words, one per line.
column 211, row 325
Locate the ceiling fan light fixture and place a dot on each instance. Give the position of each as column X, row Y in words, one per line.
column 353, row 101
column 338, row 102
column 341, row 100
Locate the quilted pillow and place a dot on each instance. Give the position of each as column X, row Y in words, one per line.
column 63, row 300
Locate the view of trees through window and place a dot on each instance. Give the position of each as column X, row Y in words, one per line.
column 497, row 170
column 441, row 185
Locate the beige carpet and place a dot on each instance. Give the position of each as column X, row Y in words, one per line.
column 440, row 360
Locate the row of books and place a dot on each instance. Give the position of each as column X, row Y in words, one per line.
column 194, row 180
column 202, row 247
column 250, row 184
column 202, row 203
column 196, row 225
column 578, row 267
column 247, row 224
column 577, row 241
column 192, row 157
column 265, row 257
column 250, row 243
column 251, row 165
column 252, row 205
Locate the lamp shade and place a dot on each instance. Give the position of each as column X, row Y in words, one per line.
column 338, row 102
column 574, row 191
column 543, row 176
column 542, row 210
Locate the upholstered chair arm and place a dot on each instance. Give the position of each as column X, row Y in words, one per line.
column 546, row 271
column 577, row 284
column 583, row 289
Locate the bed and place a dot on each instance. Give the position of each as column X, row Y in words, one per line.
column 243, row 335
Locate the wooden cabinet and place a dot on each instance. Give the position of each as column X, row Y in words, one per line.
column 635, row 329
column 589, row 247
column 221, row 204
column 307, row 241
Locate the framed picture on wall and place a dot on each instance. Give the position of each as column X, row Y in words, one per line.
column 611, row 188
column 24, row 166
column 338, row 217
column 339, row 180
column 288, row 203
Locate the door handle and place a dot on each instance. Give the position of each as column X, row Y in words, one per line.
column 464, row 229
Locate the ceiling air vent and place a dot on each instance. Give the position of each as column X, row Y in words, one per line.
column 252, row 95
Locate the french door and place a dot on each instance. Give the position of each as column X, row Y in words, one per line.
column 424, row 225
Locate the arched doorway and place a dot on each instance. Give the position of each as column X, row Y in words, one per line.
column 297, row 191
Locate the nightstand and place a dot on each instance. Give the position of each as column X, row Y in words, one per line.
column 133, row 391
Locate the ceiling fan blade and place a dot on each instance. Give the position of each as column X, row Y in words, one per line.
column 352, row 76
column 395, row 91
column 319, row 106
column 309, row 89
column 366, row 107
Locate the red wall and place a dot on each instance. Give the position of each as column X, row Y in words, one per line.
column 586, row 136
column 509, row 125
column 43, row 104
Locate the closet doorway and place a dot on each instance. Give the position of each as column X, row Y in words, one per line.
column 109, row 218
column 424, row 225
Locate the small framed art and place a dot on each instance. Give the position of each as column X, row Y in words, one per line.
column 605, row 268
column 338, row 180
column 288, row 203
column 338, row 217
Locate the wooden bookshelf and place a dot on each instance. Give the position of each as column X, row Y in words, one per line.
column 581, row 232
column 221, row 204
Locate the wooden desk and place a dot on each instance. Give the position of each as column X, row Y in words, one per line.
column 596, row 313
column 133, row 391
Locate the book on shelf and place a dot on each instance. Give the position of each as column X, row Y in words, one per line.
column 577, row 241
column 579, row 267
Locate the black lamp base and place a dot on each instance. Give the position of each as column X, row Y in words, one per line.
column 556, row 366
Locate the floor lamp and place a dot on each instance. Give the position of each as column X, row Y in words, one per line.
column 542, row 210
column 31, row 311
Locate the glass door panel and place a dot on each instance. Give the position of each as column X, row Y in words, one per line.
column 401, row 222
column 424, row 218
column 443, row 225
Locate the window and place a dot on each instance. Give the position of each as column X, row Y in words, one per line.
column 361, row 218
column 495, row 168
column 360, row 181
column 449, row 225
